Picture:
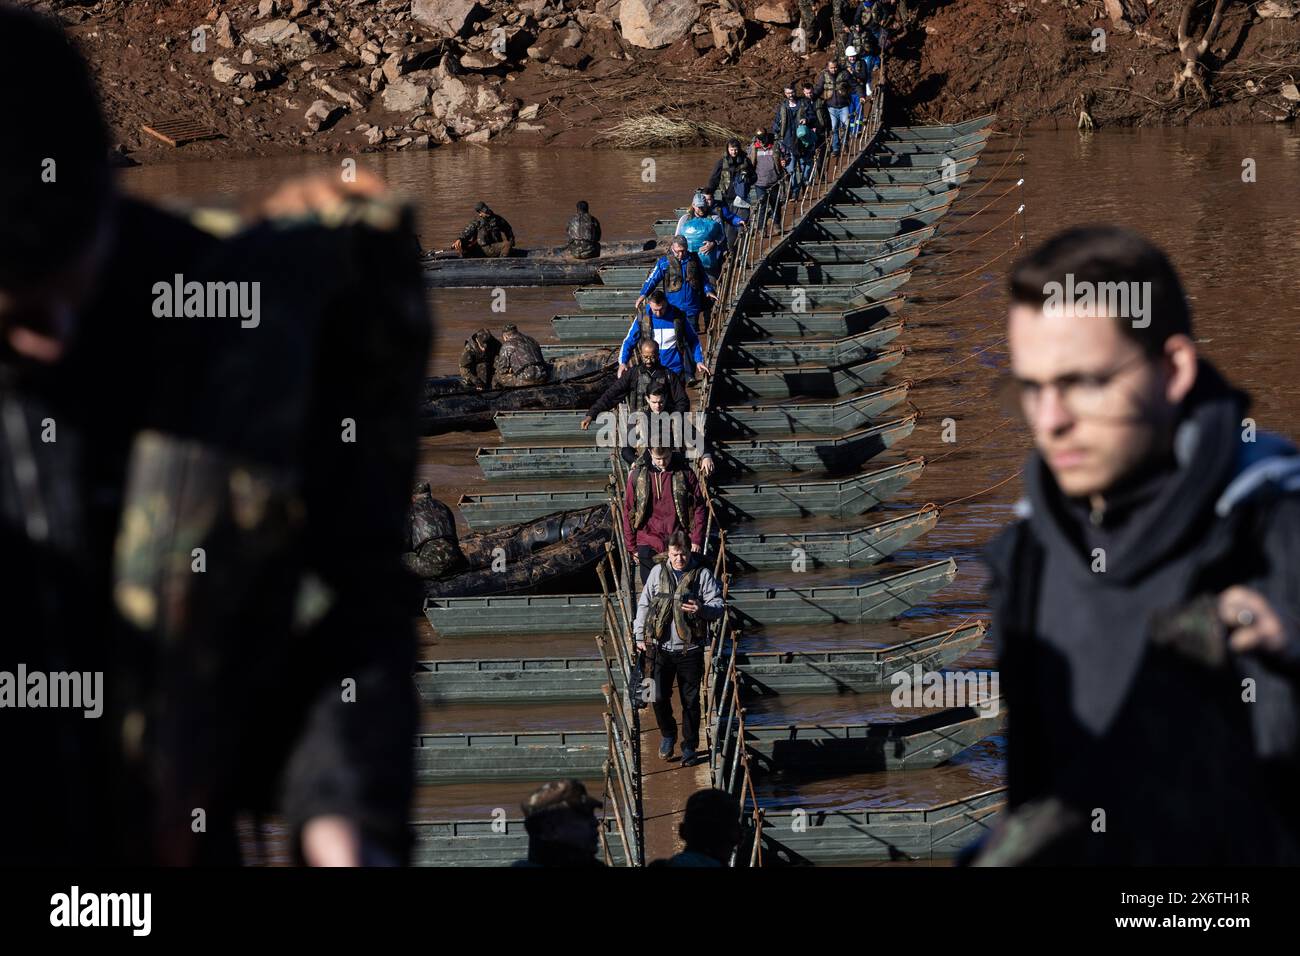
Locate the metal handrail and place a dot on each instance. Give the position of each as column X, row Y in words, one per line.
column 780, row 214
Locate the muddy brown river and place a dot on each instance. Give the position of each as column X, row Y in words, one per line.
column 1236, row 245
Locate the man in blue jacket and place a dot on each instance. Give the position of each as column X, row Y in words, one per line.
column 685, row 280
column 1146, row 606
column 679, row 346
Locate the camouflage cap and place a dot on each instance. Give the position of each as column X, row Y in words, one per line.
column 557, row 794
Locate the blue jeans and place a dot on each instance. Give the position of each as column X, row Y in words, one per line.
column 764, row 206
column 839, row 117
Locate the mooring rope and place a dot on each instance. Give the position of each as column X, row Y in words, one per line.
column 971, row 242
column 973, row 444
column 992, row 487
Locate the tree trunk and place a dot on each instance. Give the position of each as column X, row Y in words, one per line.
column 1193, row 49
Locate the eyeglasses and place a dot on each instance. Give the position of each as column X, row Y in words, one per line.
column 1082, row 394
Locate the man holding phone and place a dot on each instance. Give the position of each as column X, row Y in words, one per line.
column 679, row 601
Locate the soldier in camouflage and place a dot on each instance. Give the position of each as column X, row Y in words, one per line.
column 520, row 362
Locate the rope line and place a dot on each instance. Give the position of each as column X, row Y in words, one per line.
column 992, row 487
column 971, row 242
column 941, row 305
column 969, row 445
column 972, row 355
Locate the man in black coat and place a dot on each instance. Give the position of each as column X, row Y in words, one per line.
column 646, row 387
column 1147, row 603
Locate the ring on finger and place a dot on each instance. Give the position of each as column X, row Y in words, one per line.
column 1245, row 617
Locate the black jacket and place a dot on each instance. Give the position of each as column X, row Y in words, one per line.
column 621, row 388
column 1105, row 716
column 740, row 166
column 228, row 702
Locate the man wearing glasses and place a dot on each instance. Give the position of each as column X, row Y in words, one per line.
column 1147, row 603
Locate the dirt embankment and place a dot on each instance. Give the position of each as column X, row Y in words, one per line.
column 271, row 76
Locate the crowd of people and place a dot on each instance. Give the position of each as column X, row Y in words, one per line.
column 180, row 515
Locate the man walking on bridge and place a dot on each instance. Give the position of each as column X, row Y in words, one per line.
column 679, row 601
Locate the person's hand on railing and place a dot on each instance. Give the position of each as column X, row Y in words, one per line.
column 622, row 367
column 703, row 367
column 640, row 301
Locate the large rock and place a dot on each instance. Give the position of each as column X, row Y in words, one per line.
column 653, row 24
column 342, row 92
column 223, row 71
column 292, row 41
column 779, row 12
column 728, row 31
column 248, row 76
column 485, row 60
column 405, row 96
column 226, row 35
column 321, row 115
column 450, row 18
column 274, row 31
column 1124, row 13
column 449, row 97
column 417, row 56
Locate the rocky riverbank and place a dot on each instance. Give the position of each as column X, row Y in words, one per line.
column 273, row 76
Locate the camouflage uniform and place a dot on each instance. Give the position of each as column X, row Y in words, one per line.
column 478, row 358
column 435, row 552
column 489, row 236
column 520, row 362
column 584, row 236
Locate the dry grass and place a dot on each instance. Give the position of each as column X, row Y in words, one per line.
column 654, row 131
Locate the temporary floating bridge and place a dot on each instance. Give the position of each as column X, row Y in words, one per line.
column 808, row 309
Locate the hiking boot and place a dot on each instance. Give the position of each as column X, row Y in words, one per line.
column 666, row 748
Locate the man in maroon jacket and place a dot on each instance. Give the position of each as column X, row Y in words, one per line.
column 661, row 497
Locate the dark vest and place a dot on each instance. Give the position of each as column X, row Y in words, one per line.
column 677, row 275
column 679, row 329
column 666, row 605
column 643, row 504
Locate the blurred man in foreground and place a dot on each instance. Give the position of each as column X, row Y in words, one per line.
column 201, row 512
column 562, row 827
column 1146, row 604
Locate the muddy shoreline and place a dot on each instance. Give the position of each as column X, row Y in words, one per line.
column 286, row 77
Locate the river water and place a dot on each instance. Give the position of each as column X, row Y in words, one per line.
column 1236, row 245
